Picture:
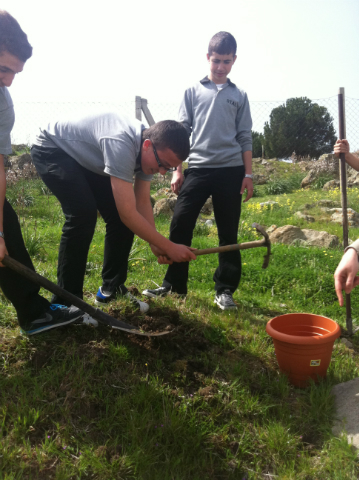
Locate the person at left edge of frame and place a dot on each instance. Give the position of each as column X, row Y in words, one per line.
column 34, row 312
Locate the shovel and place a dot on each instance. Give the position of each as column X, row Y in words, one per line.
column 96, row 313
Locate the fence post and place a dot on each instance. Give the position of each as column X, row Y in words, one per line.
column 138, row 111
column 147, row 112
column 343, row 191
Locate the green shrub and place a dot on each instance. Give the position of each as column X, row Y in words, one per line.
column 201, row 230
column 280, row 186
column 20, row 198
column 320, row 182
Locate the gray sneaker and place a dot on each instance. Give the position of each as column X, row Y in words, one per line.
column 104, row 297
column 225, row 300
column 156, row 292
column 56, row 316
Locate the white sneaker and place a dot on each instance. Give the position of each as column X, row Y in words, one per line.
column 225, row 300
column 88, row 320
column 143, row 306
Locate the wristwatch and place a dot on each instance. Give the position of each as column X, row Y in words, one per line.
column 249, row 175
column 2, row 235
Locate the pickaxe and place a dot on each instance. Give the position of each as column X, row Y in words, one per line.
column 265, row 242
column 105, row 318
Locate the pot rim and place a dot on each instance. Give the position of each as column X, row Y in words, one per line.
column 303, row 340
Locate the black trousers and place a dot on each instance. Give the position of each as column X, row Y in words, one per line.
column 82, row 193
column 22, row 293
column 224, row 184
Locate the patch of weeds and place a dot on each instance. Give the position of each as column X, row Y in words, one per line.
column 201, row 230
column 258, row 191
column 320, row 182
column 283, row 185
column 19, row 197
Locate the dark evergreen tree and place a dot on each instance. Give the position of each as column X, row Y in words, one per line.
column 258, row 141
column 301, row 126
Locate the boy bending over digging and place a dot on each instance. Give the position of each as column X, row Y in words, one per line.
column 217, row 115
column 35, row 314
column 88, row 162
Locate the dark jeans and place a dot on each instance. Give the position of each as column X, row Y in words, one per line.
column 22, row 293
column 82, row 193
column 224, row 184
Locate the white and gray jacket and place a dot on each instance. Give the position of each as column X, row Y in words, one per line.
column 354, row 245
column 220, row 123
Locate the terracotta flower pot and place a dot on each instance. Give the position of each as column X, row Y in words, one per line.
column 303, row 345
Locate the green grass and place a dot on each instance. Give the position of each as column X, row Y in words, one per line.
column 205, row 402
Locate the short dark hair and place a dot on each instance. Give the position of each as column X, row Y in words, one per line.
column 222, row 43
column 169, row 134
column 12, row 38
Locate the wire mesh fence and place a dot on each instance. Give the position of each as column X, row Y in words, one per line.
column 296, row 128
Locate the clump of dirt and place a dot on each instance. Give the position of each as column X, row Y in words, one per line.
column 180, row 350
column 40, row 358
column 157, row 320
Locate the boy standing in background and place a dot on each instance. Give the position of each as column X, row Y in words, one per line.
column 217, row 115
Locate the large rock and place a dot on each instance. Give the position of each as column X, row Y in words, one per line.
column 327, row 164
column 165, row 206
column 271, row 229
column 309, row 179
column 337, row 216
column 290, row 234
column 287, row 234
column 326, row 202
column 307, row 218
column 347, row 405
column 18, row 167
column 18, row 162
column 306, row 206
column 331, row 185
column 162, row 191
column 207, row 208
column 320, row 239
column 259, row 179
column 353, row 176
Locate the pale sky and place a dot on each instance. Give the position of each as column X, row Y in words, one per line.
column 112, row 50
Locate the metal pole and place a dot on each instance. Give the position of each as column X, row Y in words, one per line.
column 343, row 191
column 147, row 113
column 138, row 110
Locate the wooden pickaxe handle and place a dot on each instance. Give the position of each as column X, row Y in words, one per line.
column 265, row 242
column 96, row 313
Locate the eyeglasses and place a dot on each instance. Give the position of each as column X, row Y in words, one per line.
column 171, row 169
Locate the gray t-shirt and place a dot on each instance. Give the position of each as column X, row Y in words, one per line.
column 7, row 119
column 107, row 143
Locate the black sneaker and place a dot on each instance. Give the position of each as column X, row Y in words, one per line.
column 225, row 300
column 56, row 316
column 104, row 297
column 157, row 292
